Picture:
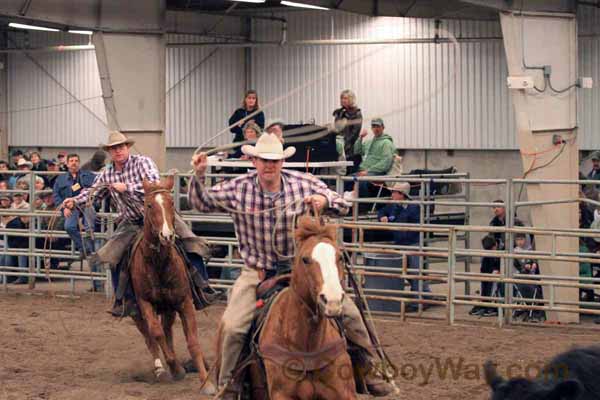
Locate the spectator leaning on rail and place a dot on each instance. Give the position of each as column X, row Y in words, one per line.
column 261, row 242
column 275, row 127
column 405, row 214
column 499, row 220
column 70, row 184
column 595, row 172
column 125, row 177
column 249, row 105
column 348, row 120
column 22, row 165
column 377, row 154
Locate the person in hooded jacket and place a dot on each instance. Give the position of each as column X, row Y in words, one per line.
column 377, row 154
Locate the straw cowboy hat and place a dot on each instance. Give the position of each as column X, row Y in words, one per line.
column 268, row 147
column 116, row 138
column 24, row 163
column 402, row 187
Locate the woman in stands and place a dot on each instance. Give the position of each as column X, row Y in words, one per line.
column 348, row 119
column 249, row 105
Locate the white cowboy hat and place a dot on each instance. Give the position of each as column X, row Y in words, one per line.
column 402, row 187
column 116, row 138
column 268, row 147
column 23, row 162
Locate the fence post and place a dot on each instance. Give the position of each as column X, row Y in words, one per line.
column 32, row 221
column 451, row 271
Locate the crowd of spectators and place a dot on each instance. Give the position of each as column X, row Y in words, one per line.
column 50, row 186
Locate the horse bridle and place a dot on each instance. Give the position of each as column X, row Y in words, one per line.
column 153, row 193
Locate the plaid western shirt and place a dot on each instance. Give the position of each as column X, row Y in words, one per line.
column 130, row 204
column 255, row 231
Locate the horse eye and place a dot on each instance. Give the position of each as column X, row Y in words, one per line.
column 306, row 260
column 149, row 206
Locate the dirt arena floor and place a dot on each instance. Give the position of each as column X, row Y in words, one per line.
column 70, row 349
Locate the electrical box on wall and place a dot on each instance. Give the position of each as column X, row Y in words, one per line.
column 520, row 82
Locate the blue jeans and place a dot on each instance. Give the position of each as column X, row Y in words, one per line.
column 72, row 228
column 413, row 262
column 364, row 187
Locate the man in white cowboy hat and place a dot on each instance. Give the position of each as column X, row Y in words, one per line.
column 405, row 214
column 123, row 180
column 22, row 165
column 261, row 243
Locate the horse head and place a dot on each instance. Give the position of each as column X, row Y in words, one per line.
column 318, row 271
column 159, row 210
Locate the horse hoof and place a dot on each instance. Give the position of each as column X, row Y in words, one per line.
column 209, row 389
column 162, row 376
column 178, row 374
column 189, row 366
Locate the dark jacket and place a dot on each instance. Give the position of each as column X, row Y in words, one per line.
column 500, row 236
column 63, row 187
column 399, row 214
column 489, row 265
column 239, row 114
column 351, row 131
column 594, row 174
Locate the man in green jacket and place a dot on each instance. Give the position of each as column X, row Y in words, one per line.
column 377, row 154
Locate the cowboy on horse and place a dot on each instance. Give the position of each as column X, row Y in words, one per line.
column 123, row 180
column 263, row 204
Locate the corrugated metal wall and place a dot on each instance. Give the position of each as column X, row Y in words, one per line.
column 204, row 86
column 55, row 99
column 431, row 95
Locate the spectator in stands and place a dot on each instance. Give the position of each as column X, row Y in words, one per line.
column 348, row 120
column 54, row 243
column 96, row 163
column 70, row 185
column 406, row 214
column 251, row 132
column 275, row 126
column 499, row 220
column 17, row 242
column 377, row 154
column 52, row 167
column 249, row 105
column 489, row 265
column 527, row 266
column 22, row 165
column 4, row 167
column 37, row 163
column 40, row 185
column 595, row 172
column 5, row 201
column 16, row 155
column 62, row 161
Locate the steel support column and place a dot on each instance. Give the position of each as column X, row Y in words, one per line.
column 533, row 41
column 132, row 74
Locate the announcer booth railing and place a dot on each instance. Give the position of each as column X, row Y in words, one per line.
column 444, row 253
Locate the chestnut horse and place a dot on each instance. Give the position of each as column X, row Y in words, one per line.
column 162, row 288
column 304, row 355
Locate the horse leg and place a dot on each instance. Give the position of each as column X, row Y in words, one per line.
column 159, row 372
column 187, row 313
column 177, row 371
column 155, row 331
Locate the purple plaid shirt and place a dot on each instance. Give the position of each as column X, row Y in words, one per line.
column 130, row 204
column 255, row 232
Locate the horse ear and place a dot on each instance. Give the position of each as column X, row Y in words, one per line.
column 146, row 185
column 169, row 182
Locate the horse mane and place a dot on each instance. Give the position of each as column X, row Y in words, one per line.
column 310, row 226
